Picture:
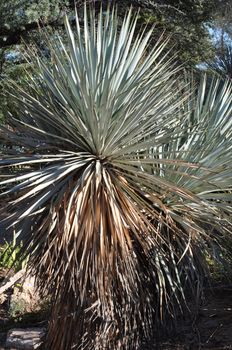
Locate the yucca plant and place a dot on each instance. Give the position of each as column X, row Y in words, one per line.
column 118, row 182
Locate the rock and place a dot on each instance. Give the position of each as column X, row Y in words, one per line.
column 25, row 339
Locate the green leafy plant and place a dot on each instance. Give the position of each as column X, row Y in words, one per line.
column 10, row 256
column 120, row 181
column 17, row 309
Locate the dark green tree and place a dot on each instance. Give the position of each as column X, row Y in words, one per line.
column 221, row 29
column 20, row 21
column 183, row 20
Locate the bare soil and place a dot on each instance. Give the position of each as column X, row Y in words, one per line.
column 210, row 329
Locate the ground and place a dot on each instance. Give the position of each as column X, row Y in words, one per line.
column 210, row 328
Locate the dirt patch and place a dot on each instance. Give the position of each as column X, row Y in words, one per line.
column 211, row 329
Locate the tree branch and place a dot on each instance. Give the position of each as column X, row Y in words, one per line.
column 10, row 37
column 12, row 281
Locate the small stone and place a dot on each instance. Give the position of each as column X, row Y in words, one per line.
column 25, row 339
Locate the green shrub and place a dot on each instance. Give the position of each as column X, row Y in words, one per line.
column 11, row 257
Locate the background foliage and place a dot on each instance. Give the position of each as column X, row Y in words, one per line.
column 186, row 22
